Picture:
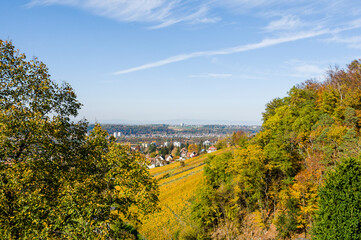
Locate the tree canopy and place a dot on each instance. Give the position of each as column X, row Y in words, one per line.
column 56, row 182
column 273, row 178
column 339, row 213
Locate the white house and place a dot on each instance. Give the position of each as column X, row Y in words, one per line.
column 211, row 149
column 183, row 153
column 206, row 143
column 193, row 154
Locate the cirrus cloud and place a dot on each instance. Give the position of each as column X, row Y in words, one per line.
column 162, row 13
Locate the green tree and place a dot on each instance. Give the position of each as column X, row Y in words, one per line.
column 55, row 182
column 152, row 148
column 339, row 214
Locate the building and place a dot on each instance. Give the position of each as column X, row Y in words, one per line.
column 169, row 158
column 194, row 154
column 211, row 149
column 183, row 153
column 206, row 143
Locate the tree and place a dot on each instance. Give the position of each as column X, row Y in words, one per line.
column 193, row 148
column 339, row 213
column 55, row 182
column 239, row 138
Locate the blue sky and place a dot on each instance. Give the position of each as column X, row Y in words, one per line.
column 155, row 60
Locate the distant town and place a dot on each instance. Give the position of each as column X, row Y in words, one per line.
column 158, row 133
column 162, row 144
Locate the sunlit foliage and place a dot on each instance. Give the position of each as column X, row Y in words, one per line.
column 275, row 176
column 56, row 182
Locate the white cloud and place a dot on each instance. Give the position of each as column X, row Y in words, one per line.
column 163, row 13
column 309, row 69
column 285, row 23
column 241, row 5
column 351, row 42
column 243, row 48
column 196, row 17
column 306, row 69
column 51, row 2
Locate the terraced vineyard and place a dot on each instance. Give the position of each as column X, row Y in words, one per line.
column 177, row 185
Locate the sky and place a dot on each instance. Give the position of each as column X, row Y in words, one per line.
column 192, row 61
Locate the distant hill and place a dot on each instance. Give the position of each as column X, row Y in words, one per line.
column 176, row 129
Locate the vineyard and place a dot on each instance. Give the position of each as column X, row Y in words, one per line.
column 177, row 184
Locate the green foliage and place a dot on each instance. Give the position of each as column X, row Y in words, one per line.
column 212, row 201
column 152, row 148
column 164, row 151
column 274, row 177
column 239, row 138
column 339, row 214
column 286, row 222
column 204, row 209
column 215, row 170
column 55, row 182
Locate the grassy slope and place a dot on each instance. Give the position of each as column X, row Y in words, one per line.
column 177, row 187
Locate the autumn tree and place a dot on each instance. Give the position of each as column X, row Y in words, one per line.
column 55, row 182
column 275, row 176
column 193, row 148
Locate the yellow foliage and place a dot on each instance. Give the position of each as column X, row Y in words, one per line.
column 176, row 192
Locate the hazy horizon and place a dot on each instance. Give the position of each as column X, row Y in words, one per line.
column 175, row 122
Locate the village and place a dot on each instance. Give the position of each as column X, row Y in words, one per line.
column 164, row 144
column 191, row 152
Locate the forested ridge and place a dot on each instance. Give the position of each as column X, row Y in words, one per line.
column 273, row 185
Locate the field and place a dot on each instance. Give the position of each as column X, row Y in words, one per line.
column 177, row 188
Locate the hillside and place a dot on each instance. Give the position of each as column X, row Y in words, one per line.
column 177, row 186
column 298, row 175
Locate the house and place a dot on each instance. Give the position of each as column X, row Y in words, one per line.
column 153, row 163
column 183, row 153
column 211, row 149
column 207, row 143
column 157, row 162
column 193, row 154
column 169, row 158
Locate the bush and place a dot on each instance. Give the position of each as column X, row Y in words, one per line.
column 339, row 214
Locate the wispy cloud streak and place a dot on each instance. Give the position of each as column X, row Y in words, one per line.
column 284, row 23
column 243, row 48
column 163, row 13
